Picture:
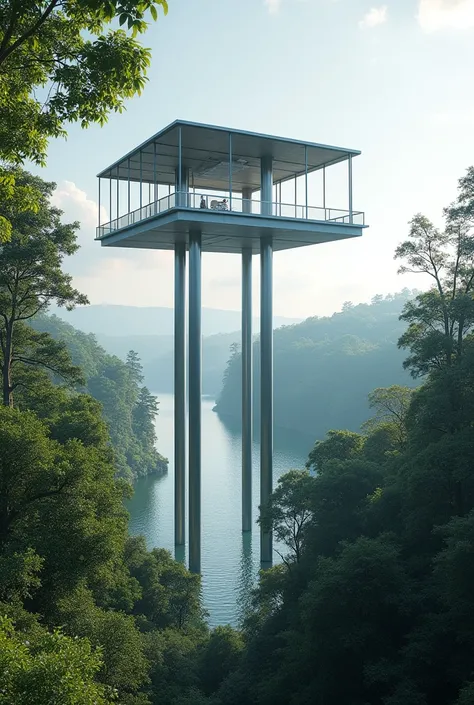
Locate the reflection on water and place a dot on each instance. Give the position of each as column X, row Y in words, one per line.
column 230, row 559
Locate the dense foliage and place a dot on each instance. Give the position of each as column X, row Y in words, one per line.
column 66, row 560
column 31, row 277
column 61, row 62
column 374, row 602
column 127, row 406
column 324, row 368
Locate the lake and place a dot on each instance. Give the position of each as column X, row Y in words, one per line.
column 230, row 560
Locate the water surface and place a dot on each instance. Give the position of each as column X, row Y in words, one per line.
column 230, row 560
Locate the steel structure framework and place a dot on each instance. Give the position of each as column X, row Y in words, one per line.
column 200, row 188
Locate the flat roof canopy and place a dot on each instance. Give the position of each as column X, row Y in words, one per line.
column 205, row 151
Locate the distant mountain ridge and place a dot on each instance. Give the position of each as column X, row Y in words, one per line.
column 114, row 320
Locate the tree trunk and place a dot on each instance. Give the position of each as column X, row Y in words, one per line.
column 460, row 336
column 7, row 367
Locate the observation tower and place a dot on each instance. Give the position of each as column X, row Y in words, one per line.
column 195, row 188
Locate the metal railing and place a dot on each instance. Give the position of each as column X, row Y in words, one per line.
column 196, row 201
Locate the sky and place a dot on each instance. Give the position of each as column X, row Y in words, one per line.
column 392, row 79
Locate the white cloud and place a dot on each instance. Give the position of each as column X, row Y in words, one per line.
column 273, row 6
column 435, row 15
column 68, row 196
column 375, row 17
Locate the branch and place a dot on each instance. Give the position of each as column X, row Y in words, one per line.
column 26, row 318
column 5, row 53
column 285, row 560
column 40, row 363
column 469, row 284
column 11, row 27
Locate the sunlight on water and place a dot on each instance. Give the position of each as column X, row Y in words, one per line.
column 230, row 560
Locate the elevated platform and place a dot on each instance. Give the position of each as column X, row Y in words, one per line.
column 227, row 184
column 162, row 224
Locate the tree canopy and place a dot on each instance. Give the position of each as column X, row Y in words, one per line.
column 31, row 277
column 61, row 62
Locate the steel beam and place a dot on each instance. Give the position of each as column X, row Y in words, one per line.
column 266, row 390
column 194, row 462
column 247, row 416
column 179, row 392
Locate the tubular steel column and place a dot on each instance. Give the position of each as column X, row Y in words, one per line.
column 266, row 185
column 266, row 390
column 179, row 392
column 247, row 380
column 247, row 416
column 266, row 359
column 194, row 402
column 182, row 186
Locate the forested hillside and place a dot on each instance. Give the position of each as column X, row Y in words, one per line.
column 374, row 600
column 324, row 368
column 128, row 407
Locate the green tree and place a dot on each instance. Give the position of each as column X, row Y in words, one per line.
column 31, row 277
column 124, row 665
column 61, row 500
column 60, row 63
column 441, row 319
column 289, row 511
column 48, row 668
column 170, row 593
column 219, row 658
column 134, row 366
column 391, row 405
column 339, row 445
